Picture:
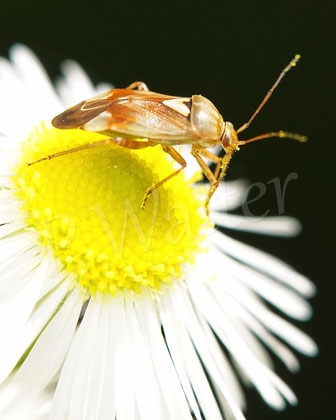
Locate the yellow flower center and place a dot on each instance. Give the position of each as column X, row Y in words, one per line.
column 85, row 207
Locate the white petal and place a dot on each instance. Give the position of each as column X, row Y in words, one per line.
column 184, row 311
column 64, row 92
column 288, row 332
column 24, row 333
column 34, row 408
column 80, row 399
column 54, row 277
column 63, row 395
column 243, row 294
column 102, row 403
column 220, row 294
column 14, row 262
column 165, row 371
column 43, row 101
column 146, row 390
column 177, row 357
column 9, row 215
column 264, row 262
column 280, row 296
column 236, row 322
column 47, row 354
column 275, row 226
column 10, row 107
column 15, row 276
column 229, row 196
column 10, row 228
column 177, row 336
column 283, row 388
column 224, row 365
column 125, row 395
column 76, row 85
column 12, row 321
column 255, row 370
column 13, row 247
column 103, row 87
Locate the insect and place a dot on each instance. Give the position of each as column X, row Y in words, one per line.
column 137, row 118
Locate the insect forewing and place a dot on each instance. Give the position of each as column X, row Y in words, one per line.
column 83, row 112
column 132, row 113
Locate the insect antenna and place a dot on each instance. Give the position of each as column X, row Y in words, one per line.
column 280, row 134
column 268, row 95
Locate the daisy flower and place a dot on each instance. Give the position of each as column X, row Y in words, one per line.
column 109, row 311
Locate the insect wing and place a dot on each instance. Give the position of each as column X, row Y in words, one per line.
column 85, row 111
column 132, row 113
column 148, row 115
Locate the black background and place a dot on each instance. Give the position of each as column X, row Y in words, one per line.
column 231, row 52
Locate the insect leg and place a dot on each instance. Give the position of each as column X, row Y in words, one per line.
column 214, row 180
column 179, row 159
column 224, row 164
column 205, row 168
column 131, row 144
column 213, row 158
column 208, row 173
column 139, row 86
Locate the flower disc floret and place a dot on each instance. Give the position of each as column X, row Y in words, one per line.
column 86, row 208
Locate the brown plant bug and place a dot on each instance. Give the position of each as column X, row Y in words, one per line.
column 137, row 118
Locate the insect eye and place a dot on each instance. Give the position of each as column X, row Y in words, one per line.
column 229, row 138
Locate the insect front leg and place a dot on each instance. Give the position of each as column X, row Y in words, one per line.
column 139, row 86
column 213, row 158
column 179, row 159
column 224, row 164
column 214, row 178
column 206, row 170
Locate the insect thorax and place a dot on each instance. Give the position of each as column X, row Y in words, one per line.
column 205, row 119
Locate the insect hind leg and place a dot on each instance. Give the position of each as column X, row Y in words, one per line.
column 130, row 144
column 179, row 159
